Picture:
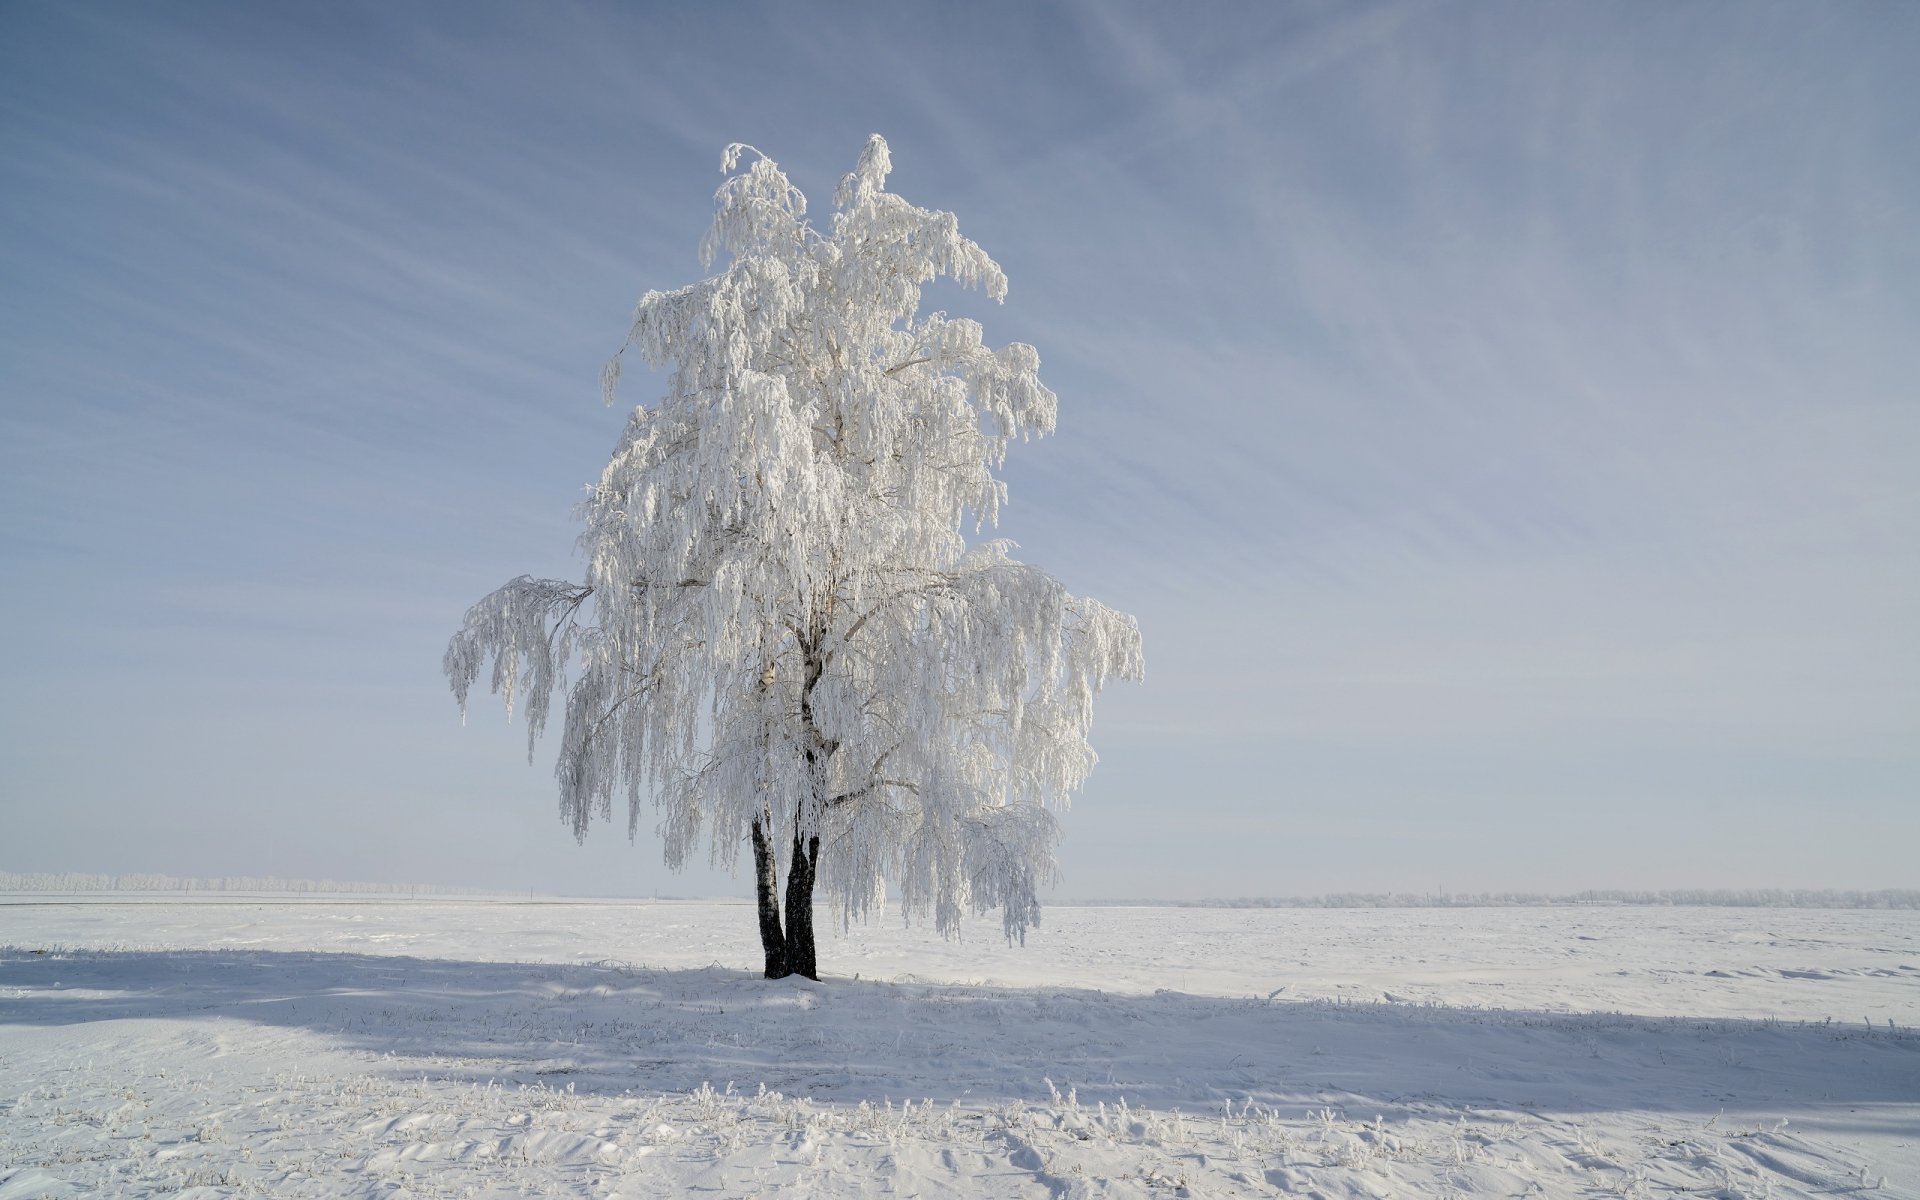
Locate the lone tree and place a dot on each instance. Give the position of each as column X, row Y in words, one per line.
column 783, row 636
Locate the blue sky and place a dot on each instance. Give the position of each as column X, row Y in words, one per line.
column 1501, row 417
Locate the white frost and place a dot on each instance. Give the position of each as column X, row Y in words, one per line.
column 782, row 619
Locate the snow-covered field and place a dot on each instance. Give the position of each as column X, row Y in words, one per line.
column 387, row 1047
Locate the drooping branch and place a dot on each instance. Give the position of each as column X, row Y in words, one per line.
column 526, row 628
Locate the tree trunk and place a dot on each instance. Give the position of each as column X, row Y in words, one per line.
column 767, row 887
column 800, row 956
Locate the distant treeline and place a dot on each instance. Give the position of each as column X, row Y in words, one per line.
column 1717, row 897
column 77, row 881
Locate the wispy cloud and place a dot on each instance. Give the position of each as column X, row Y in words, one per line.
column 1506, row 402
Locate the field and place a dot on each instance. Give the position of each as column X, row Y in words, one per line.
column 388, row 1048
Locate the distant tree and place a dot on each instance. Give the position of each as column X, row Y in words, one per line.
column 783, row 637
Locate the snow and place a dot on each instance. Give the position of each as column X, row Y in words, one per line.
column 387, row 1047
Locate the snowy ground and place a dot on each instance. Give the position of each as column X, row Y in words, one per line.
column 217, row 1047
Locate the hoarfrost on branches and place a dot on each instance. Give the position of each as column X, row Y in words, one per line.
column 783, row 634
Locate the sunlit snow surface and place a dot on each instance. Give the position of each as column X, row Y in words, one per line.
column 434, row 1048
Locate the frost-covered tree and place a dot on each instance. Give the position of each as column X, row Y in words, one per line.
column 783, row 638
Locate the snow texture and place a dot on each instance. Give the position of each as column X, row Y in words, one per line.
column 782, row 622
column 295, row 1048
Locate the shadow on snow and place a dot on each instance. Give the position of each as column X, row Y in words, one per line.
column 609, row 1029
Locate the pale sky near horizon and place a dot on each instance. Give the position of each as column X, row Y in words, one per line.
column 1501, row 417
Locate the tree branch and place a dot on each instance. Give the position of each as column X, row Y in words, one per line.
column 861, row 793
column 942, row 581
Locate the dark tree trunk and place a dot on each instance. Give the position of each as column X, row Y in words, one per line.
column 800, row 956
column 797, row 957
column 767, row 887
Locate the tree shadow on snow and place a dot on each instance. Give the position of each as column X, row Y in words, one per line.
column 610, row 1029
